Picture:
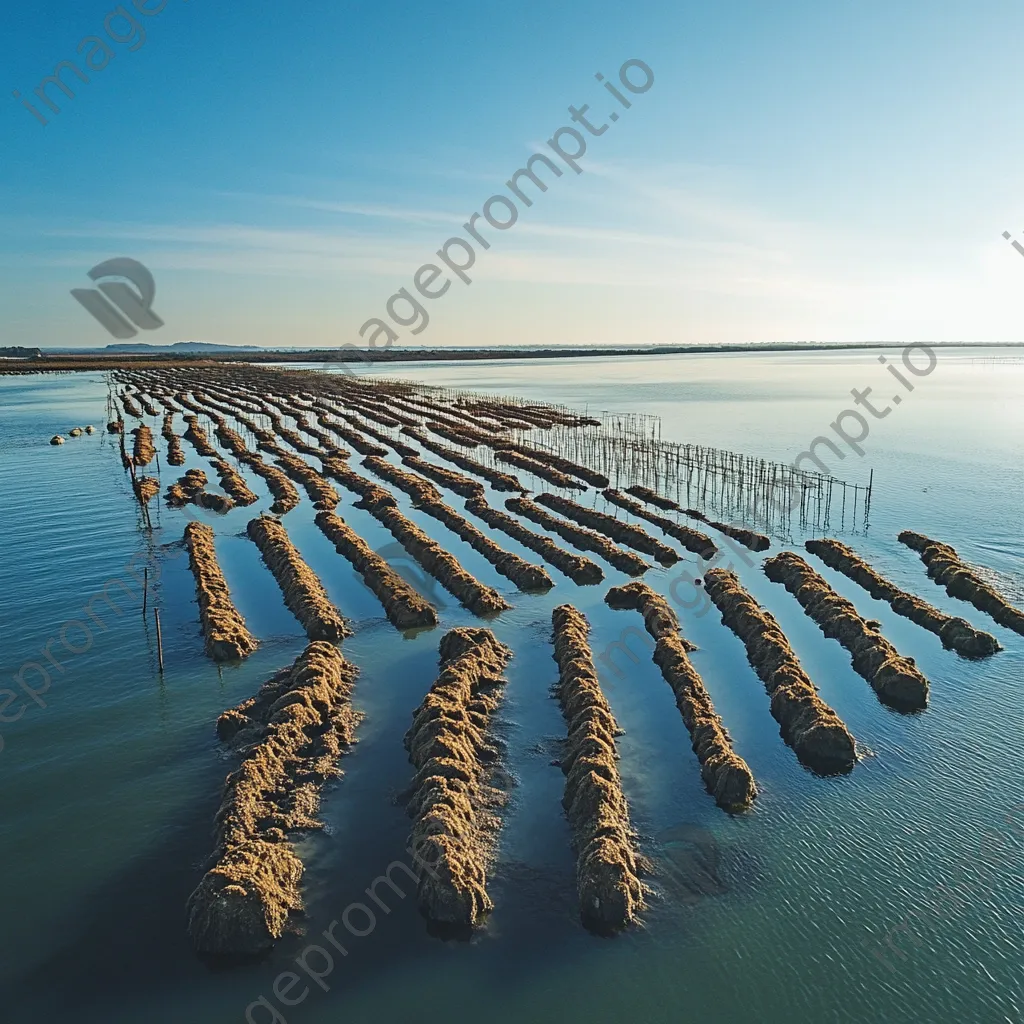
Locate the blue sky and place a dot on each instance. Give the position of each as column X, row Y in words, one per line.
column 838, row 171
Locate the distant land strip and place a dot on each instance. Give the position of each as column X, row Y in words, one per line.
column 22, row 360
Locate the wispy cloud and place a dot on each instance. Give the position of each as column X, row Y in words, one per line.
column 374, row 211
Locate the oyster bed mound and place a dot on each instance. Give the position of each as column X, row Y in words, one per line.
column 441, row 564
column 539, row 469
column 144, row 451
column 371, row 496
column 580, row 536
column 226, row 636
column 321, row 493
column 578, row 568
column 286, row 497
column 727, row 776
column 129, row 406
column 234, row 483
column 197, row 437
column 954, row 632
column 145, row 488
column 500, row 481
column 303, row 592
column 404, row 607
column 192, row 488
column 652, row 497
column 610, row 892
column 291, row 734
column 625, row 533
column 557, row 462
column 815, row 732
column 185, row 488
column 451, row 800
column 478, row 597
column 525, row 575
column 175, row 454
column 894, row 678
column 457, row 482
column 947, row 569
column 748, row 538
column 693, row 540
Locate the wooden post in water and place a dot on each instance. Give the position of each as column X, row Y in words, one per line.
column 159, row 640
column 145, row 589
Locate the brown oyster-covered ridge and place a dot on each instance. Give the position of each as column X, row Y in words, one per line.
column 727, row 776
column 895, row 679
column 224, row 630
column 954, row 632
column 451, row 800
column 815, row 732
column 609, row 888
column 292, row 734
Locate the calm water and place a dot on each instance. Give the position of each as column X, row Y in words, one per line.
column 894, row 893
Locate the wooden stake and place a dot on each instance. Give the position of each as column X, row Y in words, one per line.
column 159, row 640
column 145, row 589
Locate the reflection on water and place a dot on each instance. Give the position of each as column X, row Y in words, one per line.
column 687, row 864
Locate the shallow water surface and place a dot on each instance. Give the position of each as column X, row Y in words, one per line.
column 892, row 893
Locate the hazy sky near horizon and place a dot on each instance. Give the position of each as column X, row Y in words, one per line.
column 798, row 171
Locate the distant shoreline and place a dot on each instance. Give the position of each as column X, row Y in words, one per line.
column 100, row 361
